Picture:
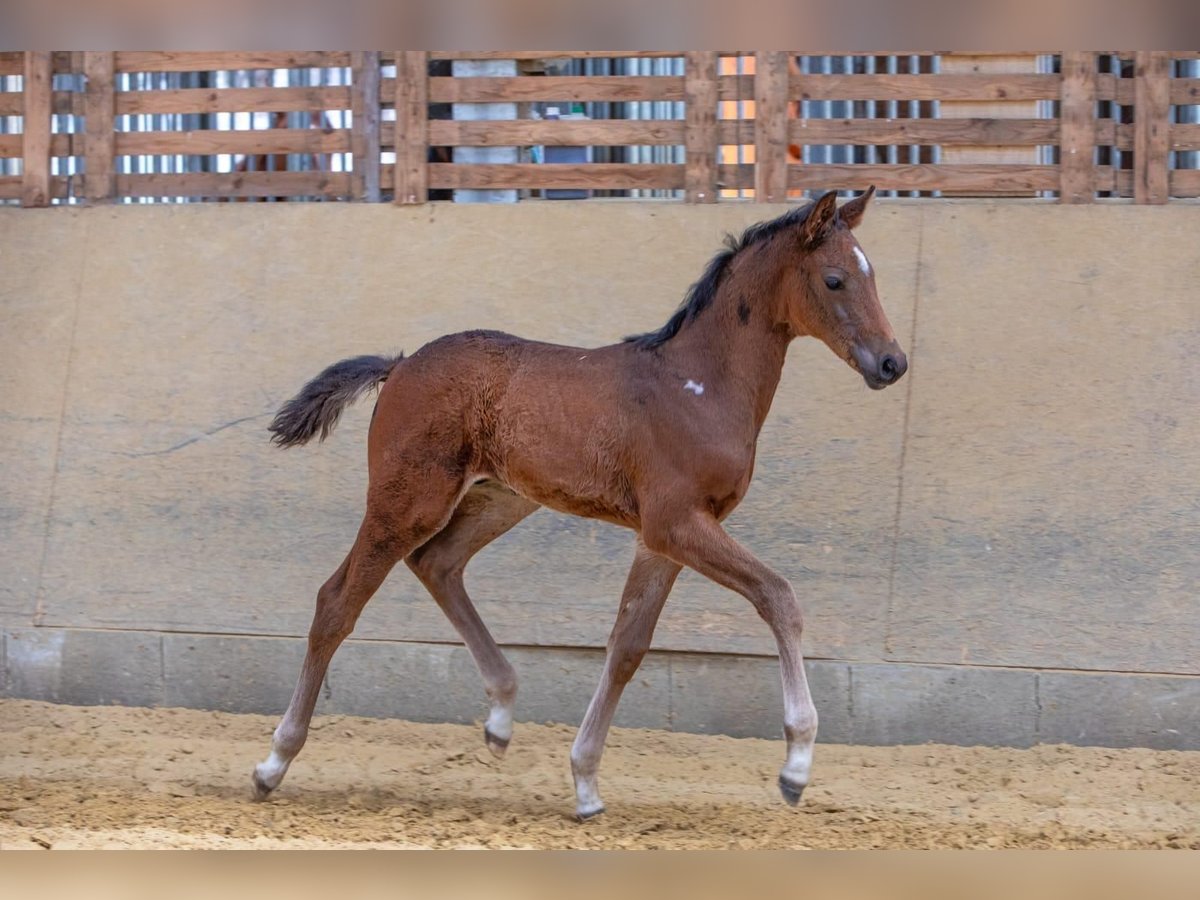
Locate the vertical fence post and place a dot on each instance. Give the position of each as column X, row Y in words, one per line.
column 364, row 136
column 99, row 143
column 770, row 126
column 38, row 87
column 1151, row 126
column 700, row 140
column 1077, row 121
column 412, row 126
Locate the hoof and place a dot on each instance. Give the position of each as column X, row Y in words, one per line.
column 262, row 790
column 791, row 792
column 589, row 812
column 497, row 745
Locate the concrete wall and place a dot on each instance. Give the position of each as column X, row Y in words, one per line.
column 1004, row 549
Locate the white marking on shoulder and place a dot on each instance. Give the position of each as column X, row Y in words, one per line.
column 862, row 260
column 695, row 388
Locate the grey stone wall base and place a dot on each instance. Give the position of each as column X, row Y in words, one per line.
column 862, row 703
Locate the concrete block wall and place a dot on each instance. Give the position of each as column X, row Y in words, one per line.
column 1002, row 550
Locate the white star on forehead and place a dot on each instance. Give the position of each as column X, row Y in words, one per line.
column 862, row 260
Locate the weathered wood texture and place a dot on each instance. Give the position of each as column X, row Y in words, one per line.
column 1078, row 136
column 1004, row 101
column 1152, row 126
column 35, row 189
column 100, row 147
column 989, row 136
column 410, row 135
column 770, row 126
column 702, row 136
column 365, row 123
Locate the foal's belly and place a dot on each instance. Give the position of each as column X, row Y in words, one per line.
column 573, row 496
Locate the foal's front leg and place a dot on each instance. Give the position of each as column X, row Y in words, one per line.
column 646, row 589
column 699, row 542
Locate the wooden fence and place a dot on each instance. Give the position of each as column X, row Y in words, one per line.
column 1107, row 124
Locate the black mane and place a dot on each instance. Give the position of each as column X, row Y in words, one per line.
column 700, row 295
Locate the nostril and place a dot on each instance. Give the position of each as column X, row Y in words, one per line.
column 889, row 368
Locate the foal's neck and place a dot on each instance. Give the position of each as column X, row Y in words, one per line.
column 740, row 342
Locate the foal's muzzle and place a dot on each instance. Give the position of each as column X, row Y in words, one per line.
column 879, row 369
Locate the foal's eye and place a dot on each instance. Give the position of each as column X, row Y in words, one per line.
column 834, row 283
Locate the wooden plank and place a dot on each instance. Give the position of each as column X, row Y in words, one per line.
column 1185, row 137
column 35, row 189
column 11, row 145
column 926, row 87
column 949, row 132
column 66, row 61
column 700, row 90
column 554, row 54
column 565, row 88
column 618, row 132
column 12, row 62
column 729, row 87
column 193, row 61
column 205, row 100
column 564, row 132
column 925, row 177
column 1185, row 91
column 1077, row 149
column 600, row 176
column 252, row 143
column 1118, row 90
column 735, row 87
column 12, row 103
column 770, row 126
column 11, row 187
column 1151, row 126
column 365, row 124
column 236, row 184
column 1185, row 183
column 411, row 173
column 99, row 174
column 735, row 176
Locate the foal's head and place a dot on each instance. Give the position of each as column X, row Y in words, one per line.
column 831, row 292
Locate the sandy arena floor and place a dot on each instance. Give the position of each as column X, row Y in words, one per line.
column 115, row 777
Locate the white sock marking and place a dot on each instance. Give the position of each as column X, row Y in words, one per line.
column 499, row 722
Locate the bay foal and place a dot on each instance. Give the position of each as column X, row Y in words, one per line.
column 475, row 431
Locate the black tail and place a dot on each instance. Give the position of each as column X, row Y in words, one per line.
column 319, row 405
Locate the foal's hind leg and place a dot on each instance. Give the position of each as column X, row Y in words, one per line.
column 487, row 511
column 385, row 537
column 650, row 580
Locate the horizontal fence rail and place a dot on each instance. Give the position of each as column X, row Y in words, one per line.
column 700, row 126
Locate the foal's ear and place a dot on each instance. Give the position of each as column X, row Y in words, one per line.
column 852, row 210
column 820, row 221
